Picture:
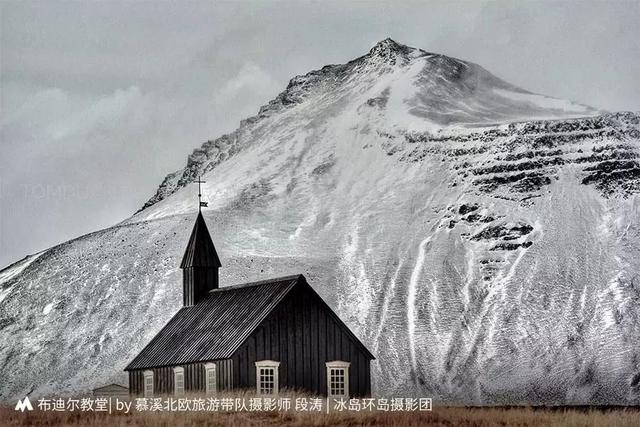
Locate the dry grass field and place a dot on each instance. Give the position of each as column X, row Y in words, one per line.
column 440, row 416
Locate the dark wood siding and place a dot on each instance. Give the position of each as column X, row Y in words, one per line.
column 302, row 335
column 196, row 282
column 194, row 378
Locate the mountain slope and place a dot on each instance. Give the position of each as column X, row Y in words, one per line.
column 397, row 87
column 483, row 241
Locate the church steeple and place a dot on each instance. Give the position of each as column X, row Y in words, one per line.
column 200, row 250
column 199, row 265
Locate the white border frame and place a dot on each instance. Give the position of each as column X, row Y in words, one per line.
column 338, row 364
column 148, row 374
column 276, row 382
column 210, row 367
column 178, row 370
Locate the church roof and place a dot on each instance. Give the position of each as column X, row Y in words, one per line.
column 216, row 326
column 200, row 250
column 219, row 324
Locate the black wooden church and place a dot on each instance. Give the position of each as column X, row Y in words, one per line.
column 262, row 336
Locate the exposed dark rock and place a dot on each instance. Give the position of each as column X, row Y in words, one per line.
column 465, row 209
column 625, row 180
column 478, row 218
column 508, row 246
column 379, row 101
column 531, row 154
column 545, row 146
column 503, row 231
column 522, row 166
column 532, row 181
column 324, row 167
column 613, row 155
column 6, row 321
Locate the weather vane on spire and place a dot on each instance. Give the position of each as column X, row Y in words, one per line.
column 201, row 204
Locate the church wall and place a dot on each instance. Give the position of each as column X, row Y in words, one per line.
column 302, row 335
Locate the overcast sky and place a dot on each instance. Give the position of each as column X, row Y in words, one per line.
column 100, row 100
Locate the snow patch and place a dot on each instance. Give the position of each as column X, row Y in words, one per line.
column 13, row 270
column 18, row 267
column 542, row 101
column 411, row 300
column 48, row 308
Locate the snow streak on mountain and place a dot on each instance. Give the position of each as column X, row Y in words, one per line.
column 482, row 240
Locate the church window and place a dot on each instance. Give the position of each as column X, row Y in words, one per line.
column 148, row 383
column 338, row 379
column 178, row 374
column 267, row 377
column 211, row 378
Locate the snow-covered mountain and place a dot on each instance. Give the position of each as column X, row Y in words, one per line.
column 482, row 240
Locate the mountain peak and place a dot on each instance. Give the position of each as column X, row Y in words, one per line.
column 387, row 43
column 389, row 48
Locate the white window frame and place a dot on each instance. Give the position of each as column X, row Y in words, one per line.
column 264, row 365
column 178, row 378
column 211, row 387
column 148, row 391
column 338, row 365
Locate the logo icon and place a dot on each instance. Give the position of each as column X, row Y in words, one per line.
column 24, row 404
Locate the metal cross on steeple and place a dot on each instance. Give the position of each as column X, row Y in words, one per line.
column 200, row 202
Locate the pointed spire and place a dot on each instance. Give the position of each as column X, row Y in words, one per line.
column 200, row 250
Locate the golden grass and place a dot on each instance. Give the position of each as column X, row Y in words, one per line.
column 444, row 416
column 440, row 416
